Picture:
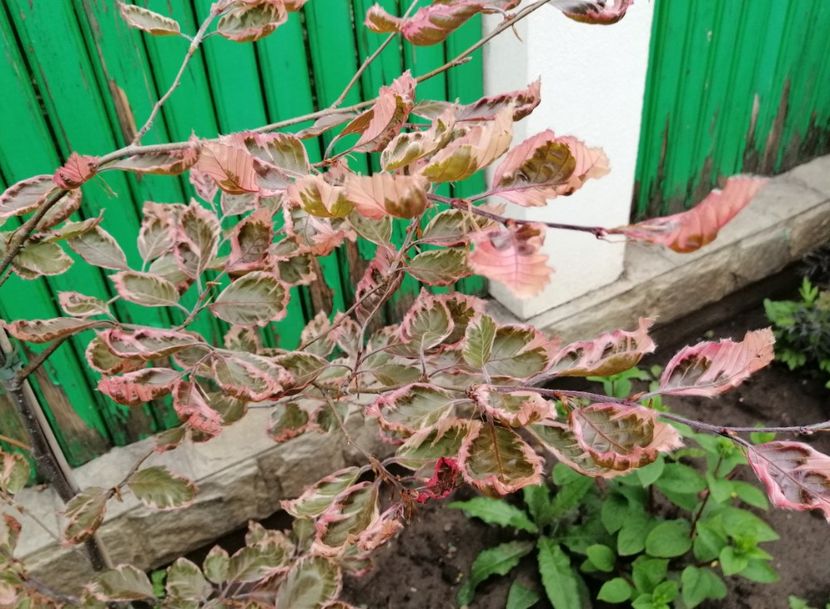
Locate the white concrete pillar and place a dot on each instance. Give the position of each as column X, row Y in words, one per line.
column 593, row 79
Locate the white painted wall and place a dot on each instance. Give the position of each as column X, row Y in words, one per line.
column 593, row 79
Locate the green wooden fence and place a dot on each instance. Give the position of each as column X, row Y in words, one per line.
column 75, row 78
column 732, row 85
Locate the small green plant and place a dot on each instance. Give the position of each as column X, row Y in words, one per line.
column 802, row 329
column 796, row 602
column 662, row 536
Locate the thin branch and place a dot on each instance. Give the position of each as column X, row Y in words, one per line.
column 38, row 360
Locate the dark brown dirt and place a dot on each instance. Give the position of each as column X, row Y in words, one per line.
column 423, row 567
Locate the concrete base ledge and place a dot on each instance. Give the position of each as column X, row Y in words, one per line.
column 242, row 475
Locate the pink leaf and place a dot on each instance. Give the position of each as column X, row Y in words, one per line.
column 512, row 255
column 230, row 165
column 607, row 354
column 523, row 102
column 168, row 162
column 691, row 230
column 445, row 479
column 710, row 368
column 46, row 330
column 25, row 196
column 250, row 240
column 77, row 170
column 385, row 194
column 376, row 285
column 149, row 343
column 599, row 12
column 514, row 409
column 795, row 475
column 191, row 405
column 251, row 20
column 140, row 386
column 378, row 125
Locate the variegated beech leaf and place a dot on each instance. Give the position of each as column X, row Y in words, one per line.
column 497, row 461
column 352, row 512
column 25, row 196
column 98, row 248
column 545, row 166
column 315, row 336
column 242, row 338
column 377, row 284
column 149, row 21
column 382, row 122
column 439, row 267
column 14, row 472
column 426, row 324
column 191, row 405
column 710, row 368
column 77, row 170
column 140, row 386
column 236, row 205
column 46, row 330
column 230, row 165
column 254, row 299
column 37, row 259
column 246, row 21
column 70, row 230
column 168, row 267
column 266, row 554
column 125, row 583
column 518, row 352
column 376, row 230
column 560, row 440
column 423, row 448
column 283, row 151
column 304, row 368
column 248, row 376
column 288, row 421
column 146, row 289
column 215, row 565
column 80, row 305
column 84, row 514
column 512, row 255
column 513, row 409
column 385, row 194
column 598, row 12
column 319, row 198
column 168, row 162
column 382, row 529
column 406, row 148
column 317, row 498
column 796, row 476
column 622, row 437
column 9, row 534
column 197, row 239
column 101, row 359
column 523, row 102
column 67, row 205
column 311, row 583
column 463, row 311
column 453, row 227
column 478, row 341
column 607, row 354
column 477, row 148
column 158, row 488
column 155, row 237
column 412, row 407
column 250, row 240
column 149, row 343
column 690, row 230
column 185, row 582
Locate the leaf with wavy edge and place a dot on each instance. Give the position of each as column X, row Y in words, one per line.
column 191, row 405
column 248, row 21
column 512, row 255
column 145, row 289
column 423, row 448
column 14, row 472
column 439, row 267
column 197, row 239
column 622, row 437
column 101, row 359
column 140, row 386
column 795, row 475
column 186, row 583
column 406, row 148
column 519, row 352
column 412, row 407
column 607, row 354
column 250, row 242
column 168, row 162
column 84, row 514
column 710, row 368
column 148, row 21
column 453, row 227
column 319, row 198
column 523, row 102
column 77, row 170
column 257, row 298
column 248, row 376
column 464, row 310
column 351, row 513
column 514, row 409
column 311, row 583
column 596, row 12
column 317, row 498
column 67, row 205
column 230, row 165
column 560, row 441
column 149, row 343
column 497, row 461
column 386, row 194
column 157, row 232
column 158, row 488
column 477, row 148
column 25, row 196
column 425, row 325
column 283, row 151
column 384, row 120
column 46, row 330
column 98, row 248
column 478, row 341
column 38, row 259
column 123, row 584
column 690, row 230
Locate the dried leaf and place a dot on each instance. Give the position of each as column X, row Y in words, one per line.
column 247, row 21
column 149, row 21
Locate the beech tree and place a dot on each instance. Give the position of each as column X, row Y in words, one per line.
column 462, row 398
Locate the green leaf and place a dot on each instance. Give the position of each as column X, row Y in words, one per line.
column 124, row 583
column 632, row 536
column 680, row 478
column 743, row 523
column 157, row 488
column 185, row 582
column 649, row 572
column 665, row 592
column 699, row 585
column 615, row 590
column 14, row 472
column 614, row 512
column 439, row 267
column 310, row 583
column 651, row 472
column 495, row 511
column 216, row 565
column 538, row 501
column 478, row 342
column 602, row 557
column 732, row 561
column 568, row 496
column 499, row 560
column 520, row 597
column 760, row 571
column 709, row 541
column 669, row 539
column 145, row 289
column 750, row 494
column 561, row 582
column 254, row 299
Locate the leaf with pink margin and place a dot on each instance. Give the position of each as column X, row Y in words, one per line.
column 497, row 461
column 351, row 513
column 242, row 338
column 512, row 256
column 381, row 530
column 464, row 310
column 192, row 407
column 46, row 330
column 145, row 289
column 513, row 409
column 249, row 21
column 230, row 164
column 423, row 448
column 257, row 298
column 98, row 248
column 250, row 242
column 622, row 437
column 710, row 368
column 319, row 198
column 101, row 359
column 84, row 514
column 77, row 170
column 288, row 421
column 377, row 284
column 25, row 196
column 157, row 232
column 283, row 151
column 412, row 407
column 425, row 325
column 561, row 442
column 386, row 194
column 67, row 205
column 14, row 472
column 140, row 386
column 317, row 498
column 149, row 343
column 317, row 330
column 247, row 376
column 795, row 475
column 519, row 352
column 37, row 259
column 148, row 21
column 474, row 150
column 384, row 120
column 311, row 583
column 607, row 354
column 407, row 148
column 690, row 230
column 197, row 239
column 439, row 267
column 597, row 12
column 158, row 488
column 167, row 162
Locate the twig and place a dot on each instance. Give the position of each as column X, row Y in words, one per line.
column 13, row 442
column 38, row 360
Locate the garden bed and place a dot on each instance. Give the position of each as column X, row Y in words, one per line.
column 423, row 568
